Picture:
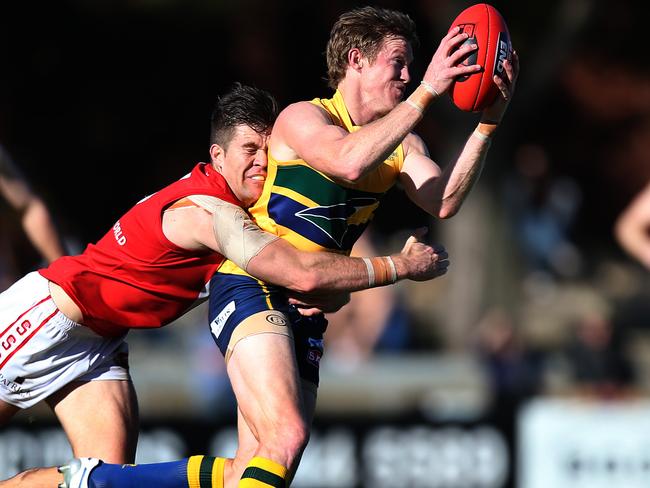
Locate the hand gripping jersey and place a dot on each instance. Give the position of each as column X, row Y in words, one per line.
column 315, row 212
column 134, row 277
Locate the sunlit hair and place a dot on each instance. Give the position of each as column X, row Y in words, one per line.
column 242, row 105
column 366, row 29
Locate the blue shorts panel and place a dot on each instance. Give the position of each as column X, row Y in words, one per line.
column 234, row 298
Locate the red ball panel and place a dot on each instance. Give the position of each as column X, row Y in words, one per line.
column 489, row 31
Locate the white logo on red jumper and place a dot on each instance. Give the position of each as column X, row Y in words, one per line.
column 117, row 232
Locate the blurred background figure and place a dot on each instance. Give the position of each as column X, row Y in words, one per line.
column 632, row 228
column 35, row 220
column 597, row 358
column 514, row 369
column 542, row 208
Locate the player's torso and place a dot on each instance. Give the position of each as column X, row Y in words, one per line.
column 134, row 276
column 313, row 211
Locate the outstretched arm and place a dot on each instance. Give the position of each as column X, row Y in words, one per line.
column 307, row 272
column 229, row 230
column 632, row 228
column 304, row 131
column 442, row 192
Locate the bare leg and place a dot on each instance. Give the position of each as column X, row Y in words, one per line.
column 100, row 419
column 105, row 410
column 268, row 388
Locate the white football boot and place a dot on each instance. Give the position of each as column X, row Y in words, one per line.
column 77, row 472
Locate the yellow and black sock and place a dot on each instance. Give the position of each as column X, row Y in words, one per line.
column 205, row 472
column 192, row 472
column 262, row 473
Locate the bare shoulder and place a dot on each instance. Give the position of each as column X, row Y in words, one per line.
column 300, row 112
column 188, row 224
column 297, row 126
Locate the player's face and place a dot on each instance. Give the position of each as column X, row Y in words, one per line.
column 244, row 163
column 384, row 81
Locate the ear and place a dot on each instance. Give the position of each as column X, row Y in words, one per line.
column 217, row 156
column 355, row 59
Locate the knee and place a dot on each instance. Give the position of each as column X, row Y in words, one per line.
column 292, row 437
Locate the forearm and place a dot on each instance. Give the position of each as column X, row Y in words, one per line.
column 458, row 179
column 281, row 264
column 41, row 231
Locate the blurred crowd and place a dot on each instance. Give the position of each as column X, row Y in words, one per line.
column 539, row 290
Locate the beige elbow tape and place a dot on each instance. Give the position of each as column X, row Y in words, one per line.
column 237, row 236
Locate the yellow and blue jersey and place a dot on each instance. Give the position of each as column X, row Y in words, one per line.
column 314, row 213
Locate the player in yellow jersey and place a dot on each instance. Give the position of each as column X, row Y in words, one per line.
column 330, row 162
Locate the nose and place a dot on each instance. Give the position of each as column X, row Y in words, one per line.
column 261, row 158
column 406, row 75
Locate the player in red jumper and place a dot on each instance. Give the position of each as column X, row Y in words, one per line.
column 62, row 328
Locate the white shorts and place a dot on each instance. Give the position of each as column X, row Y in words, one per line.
column 42, row 350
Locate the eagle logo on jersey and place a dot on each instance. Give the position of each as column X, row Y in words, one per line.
column 335, row 226
column 336, row 220
column 319, row 209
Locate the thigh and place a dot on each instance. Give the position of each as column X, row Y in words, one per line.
column 100, row 419
column 233, row 299
column 264, row 377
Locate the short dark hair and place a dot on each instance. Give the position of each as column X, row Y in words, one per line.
column 366, row 29
column 242, row 105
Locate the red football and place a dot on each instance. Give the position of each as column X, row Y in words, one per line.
column 489, row 31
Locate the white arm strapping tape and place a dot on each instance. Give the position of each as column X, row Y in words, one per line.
column 237, row 236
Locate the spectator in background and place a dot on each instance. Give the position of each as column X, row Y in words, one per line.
column 598, row 364
column 514, row 369
column 35, row 219
column 632, row 228
column 543, row 207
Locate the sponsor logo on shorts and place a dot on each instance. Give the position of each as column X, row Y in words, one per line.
column 315, row 351
column 13, row 386
column 314, row 356
column 276, row 319
column 216, row 326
